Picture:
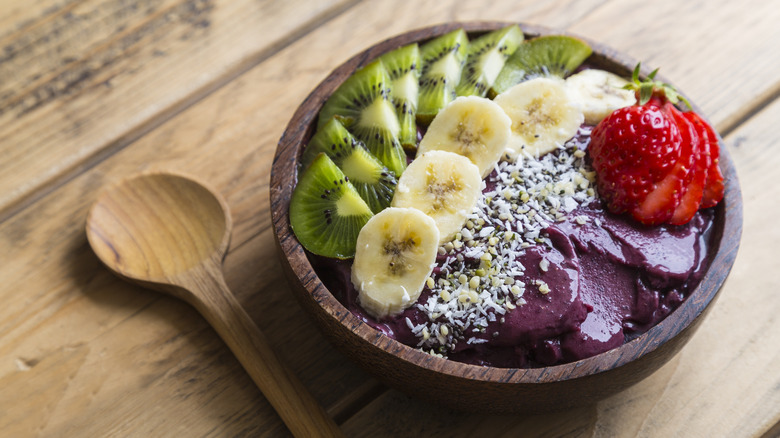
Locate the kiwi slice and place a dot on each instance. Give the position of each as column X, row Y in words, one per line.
column 403, row 65
column 486, row 57
column 550, row 55
column 326, row 212
column 442, row 64
column 373, row 181
column 363, row 105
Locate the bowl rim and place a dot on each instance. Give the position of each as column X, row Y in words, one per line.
column 727, row 230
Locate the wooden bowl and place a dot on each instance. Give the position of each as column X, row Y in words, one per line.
column 478, row 388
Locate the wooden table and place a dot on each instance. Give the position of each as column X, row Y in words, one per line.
column 95, row 90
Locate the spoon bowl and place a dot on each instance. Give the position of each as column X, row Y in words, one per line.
column 157, row 228
column 170, row 233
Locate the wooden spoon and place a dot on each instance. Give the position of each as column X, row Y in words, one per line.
column 170, row 233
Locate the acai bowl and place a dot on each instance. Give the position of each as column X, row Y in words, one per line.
column 529, row 383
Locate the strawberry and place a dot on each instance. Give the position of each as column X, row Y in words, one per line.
column 633, row 150
column 666, row 198
column 653, row 161
column 714, row 186
column 694, row 186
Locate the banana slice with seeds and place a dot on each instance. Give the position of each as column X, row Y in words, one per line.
column 544, row 115
column 599, row 93
column 396, row 252
column 444, row 185
column 472, row 126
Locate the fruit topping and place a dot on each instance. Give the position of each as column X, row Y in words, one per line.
column 363, row 105
column 372, row 180
column 648, row 156
column 544, row 115
column 326, row 212
column 690, row 198
column 442, row 64
column 551, row 55
column 599, row 92
column 396, row 251
column 472, row 126
column 403, row 66
column 486, row 57
column 714, row 187
column 444, row 185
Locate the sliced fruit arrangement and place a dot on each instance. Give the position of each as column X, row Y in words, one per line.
column 355, row 165
column 649, row 157
column 403, row 66
column 549, row 55
column 363, row 105
column 443, row 185
column 544, row 115
column 472, row 126
column 442, row 64
column 396, row 251
column 326, row 212
column 485, row 59
column 372, row 180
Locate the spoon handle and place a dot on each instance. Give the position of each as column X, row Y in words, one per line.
column 291, row 400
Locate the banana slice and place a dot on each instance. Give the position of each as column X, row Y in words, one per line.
column 544, row 115
column 444, row 185
column 396, row 252
column 472, row 126
column 599, row 93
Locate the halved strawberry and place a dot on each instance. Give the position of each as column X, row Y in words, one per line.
column 692, row 196
column 633, row 150
column 653, row 161
column 661, row 203
column 714, row 186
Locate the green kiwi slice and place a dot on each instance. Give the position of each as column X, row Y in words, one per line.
column 372, row 180
column 403, row 65
column 326, row 212
column 550, row 55
column 486, row 57
column 442, row 64
column 363, row 105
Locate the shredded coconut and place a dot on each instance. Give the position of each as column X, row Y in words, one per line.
column 479, row 275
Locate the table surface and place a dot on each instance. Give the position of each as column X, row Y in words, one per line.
column 92, row 91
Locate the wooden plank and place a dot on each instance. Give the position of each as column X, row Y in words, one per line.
column 134, row 363
column 91, row 79
column 21, row 16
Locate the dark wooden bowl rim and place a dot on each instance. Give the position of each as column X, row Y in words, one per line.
column 728, row 228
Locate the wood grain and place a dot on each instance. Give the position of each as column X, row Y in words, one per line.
column 87, row 355
column 87, row 79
